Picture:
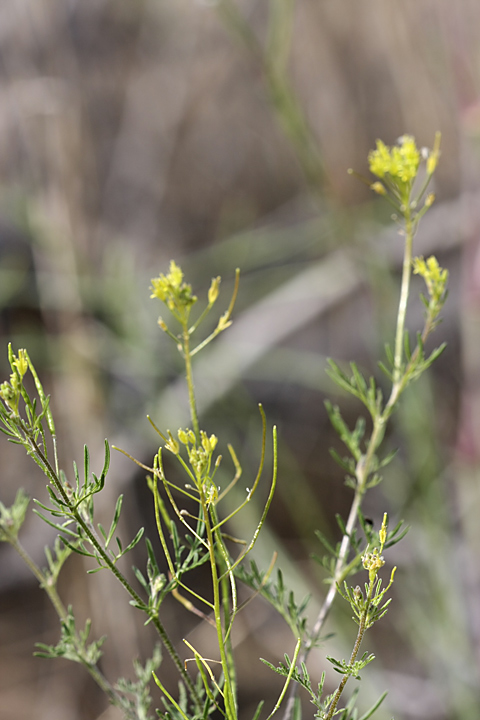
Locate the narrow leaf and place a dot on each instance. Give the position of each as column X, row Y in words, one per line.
column 374, row 707
column 385, row 370
column 116, row 518
column 359, row 381
column 135, row 541
column 86, row 465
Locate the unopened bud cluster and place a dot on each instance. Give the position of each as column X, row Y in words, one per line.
column 10, row 391
column 199, row 457
column 372, row 561
column 436, row 279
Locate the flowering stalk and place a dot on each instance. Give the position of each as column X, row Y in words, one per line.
column 368, row 609
column 178, row 297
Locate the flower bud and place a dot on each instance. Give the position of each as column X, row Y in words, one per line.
column 172, row 444
column 214, row 290
column 378, row 187
column 432, row 161
column 183, row 436
column 383, row 530
column 429, row 200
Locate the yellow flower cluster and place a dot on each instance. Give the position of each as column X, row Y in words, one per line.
column 10, row 392
column 400, row 162
column 171, row 289
column 435, row 276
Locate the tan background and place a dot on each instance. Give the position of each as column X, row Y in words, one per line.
column 134, row 132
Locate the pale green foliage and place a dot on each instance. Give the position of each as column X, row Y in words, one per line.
column 72, row 645
column 12, row 518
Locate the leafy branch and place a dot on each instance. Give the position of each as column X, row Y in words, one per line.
column 397, row 170
column 72, row 503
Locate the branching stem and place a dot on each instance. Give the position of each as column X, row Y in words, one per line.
column 364, row 465
column 103, row 555
column 62, row 613
column 358, row 641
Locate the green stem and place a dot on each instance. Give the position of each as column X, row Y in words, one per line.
column 358, row 641
column 227, row 623
column 229, row 695
column 43, row 581
column 190, row 385
column 402, row 307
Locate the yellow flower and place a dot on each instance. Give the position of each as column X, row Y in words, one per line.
column 379, row 160
column 399, row 162
column 21, row 363
column 164, row 285
column 171, row 290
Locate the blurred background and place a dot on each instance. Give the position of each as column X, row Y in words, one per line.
column 219, row 133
